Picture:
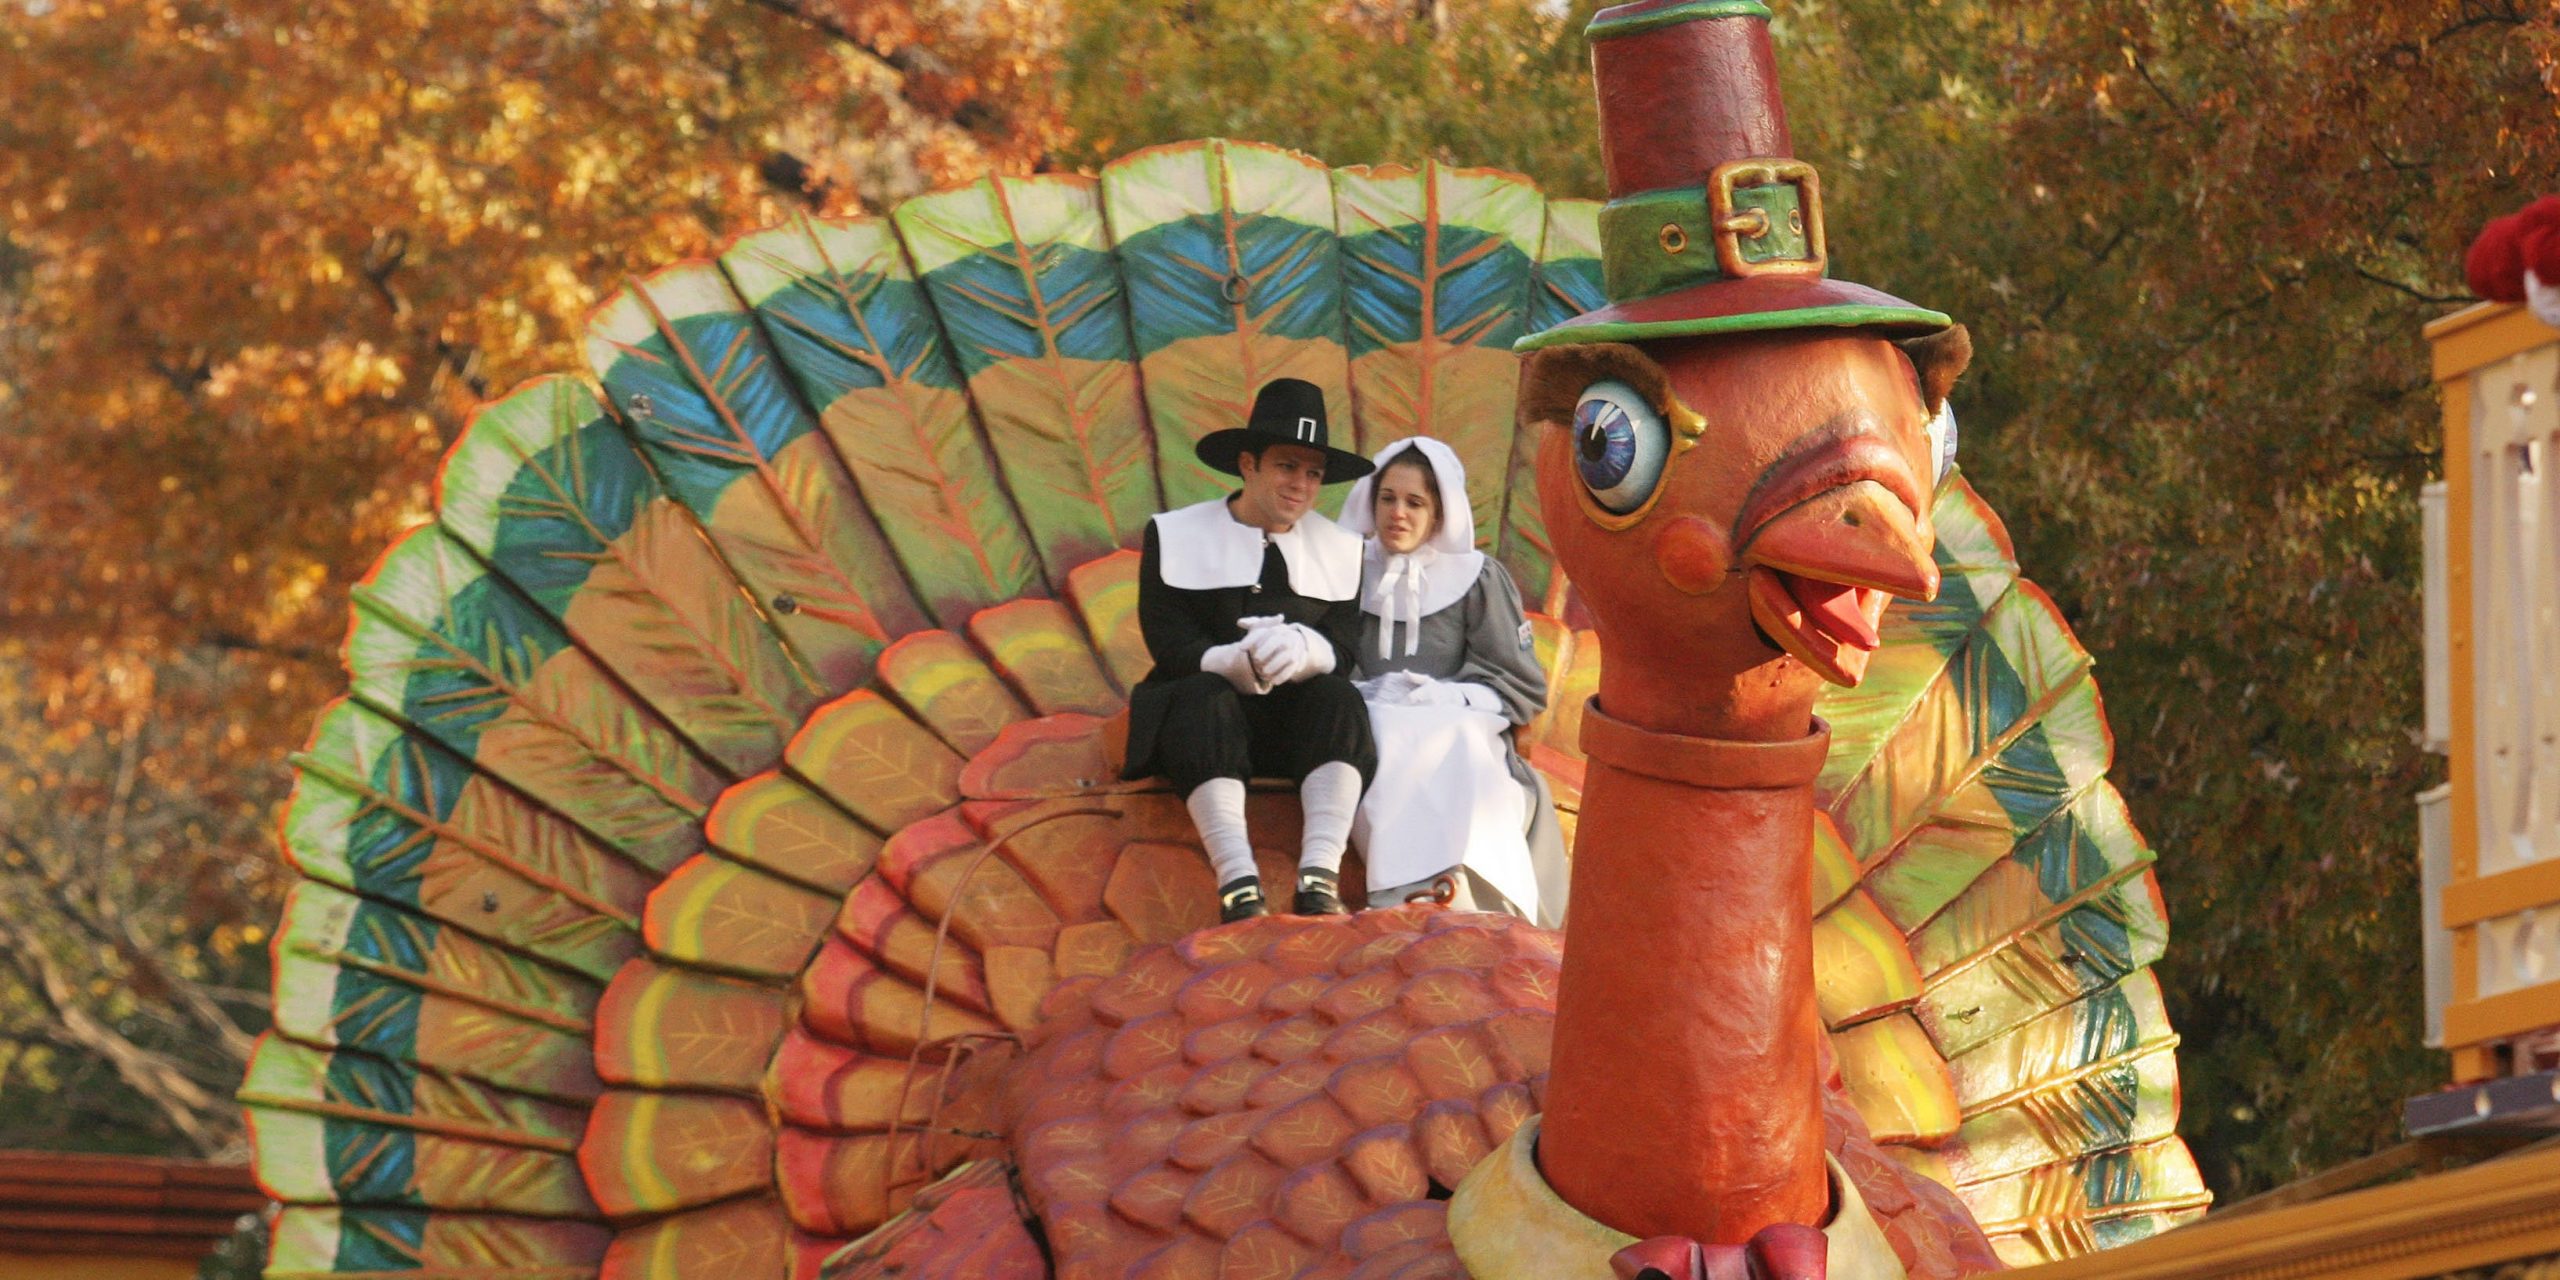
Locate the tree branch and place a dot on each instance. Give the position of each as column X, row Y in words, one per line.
column 196, row 1113
column 903, row 61
column 908, row 61
column 2414, row 292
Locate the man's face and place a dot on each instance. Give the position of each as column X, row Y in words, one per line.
column 1281, row 484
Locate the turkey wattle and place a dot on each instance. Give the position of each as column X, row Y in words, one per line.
column 713, row 853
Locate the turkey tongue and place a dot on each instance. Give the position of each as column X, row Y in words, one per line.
column 1837, row 609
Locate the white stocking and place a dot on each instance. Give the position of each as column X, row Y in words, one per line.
column 1217, row 809
column 1329, row 796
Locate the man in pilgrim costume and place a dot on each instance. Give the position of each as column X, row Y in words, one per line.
column 1250, row 607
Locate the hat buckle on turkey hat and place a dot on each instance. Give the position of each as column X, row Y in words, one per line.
column 1712, row 225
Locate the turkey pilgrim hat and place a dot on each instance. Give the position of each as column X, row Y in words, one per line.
column 1285, row 411
column 1712, row 225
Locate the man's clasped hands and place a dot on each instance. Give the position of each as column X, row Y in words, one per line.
column 1273, row 652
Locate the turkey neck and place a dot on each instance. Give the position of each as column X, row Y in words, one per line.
column 1682, row 1095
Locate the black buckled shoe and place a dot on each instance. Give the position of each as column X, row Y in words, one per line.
column 1241, row 899
column 1318, row 894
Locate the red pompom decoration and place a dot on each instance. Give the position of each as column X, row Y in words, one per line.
column 2526, row 240
column 2541, row 240
column 2495, row 265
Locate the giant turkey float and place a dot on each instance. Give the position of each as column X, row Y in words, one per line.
column 719, row 865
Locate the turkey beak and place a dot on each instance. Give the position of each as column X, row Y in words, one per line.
column 1822, row 570
column 1859, row 534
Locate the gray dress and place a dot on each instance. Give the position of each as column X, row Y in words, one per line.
column 1481, row 639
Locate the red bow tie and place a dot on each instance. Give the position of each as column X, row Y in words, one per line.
column 1782, row 1252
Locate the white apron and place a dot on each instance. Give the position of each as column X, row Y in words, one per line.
column 1444, row 795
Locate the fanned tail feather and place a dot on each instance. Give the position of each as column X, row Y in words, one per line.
column 1995, row 866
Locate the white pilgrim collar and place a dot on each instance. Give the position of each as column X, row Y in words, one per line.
column 1408, row 588
column 1203, row 547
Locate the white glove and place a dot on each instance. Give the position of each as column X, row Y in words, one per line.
column 1231, row 661
column 1394, row 689
column 1279, row 652
column 1455, row 693
column 1319, row 650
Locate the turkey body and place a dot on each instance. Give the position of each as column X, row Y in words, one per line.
column 1297, row 1097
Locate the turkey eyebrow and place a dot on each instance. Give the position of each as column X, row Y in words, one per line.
column 1553, row 380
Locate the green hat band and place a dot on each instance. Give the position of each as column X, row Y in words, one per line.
column 1751, row 217
column 1605, row 27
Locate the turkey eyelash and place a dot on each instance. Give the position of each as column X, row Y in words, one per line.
column 1559, row 375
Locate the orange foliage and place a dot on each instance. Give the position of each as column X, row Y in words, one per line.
column 259, row 258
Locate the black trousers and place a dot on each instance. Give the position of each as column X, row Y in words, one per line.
column 1212, row 731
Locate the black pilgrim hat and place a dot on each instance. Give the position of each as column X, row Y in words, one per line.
column 1285, row 411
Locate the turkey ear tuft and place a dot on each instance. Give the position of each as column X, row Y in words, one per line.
column 1939, row 359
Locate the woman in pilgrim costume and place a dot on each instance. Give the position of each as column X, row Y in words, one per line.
column 1445, row 660
column 1250, row 604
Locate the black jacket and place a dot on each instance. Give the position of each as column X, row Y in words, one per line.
column 1179, row 626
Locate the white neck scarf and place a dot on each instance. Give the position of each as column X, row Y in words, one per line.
column 1398, row 596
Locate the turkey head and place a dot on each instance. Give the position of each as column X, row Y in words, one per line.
column 1736, row 510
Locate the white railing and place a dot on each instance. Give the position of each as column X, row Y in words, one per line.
column 2515, row 537
column 2435, row 871
column 2437, row 610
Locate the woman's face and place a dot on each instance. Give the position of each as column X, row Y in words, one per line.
column 1408, row 511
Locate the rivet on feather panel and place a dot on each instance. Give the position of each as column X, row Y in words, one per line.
column 689, row 372
column 546, row 488
column 366, row 975
column 389, row 814
column 2083, row 948
column 858, row 340
column 1234, row 278
column 1023, row 278
column 443, row 646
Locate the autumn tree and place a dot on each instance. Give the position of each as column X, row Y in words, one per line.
column 258, row 260
column 1503, row 83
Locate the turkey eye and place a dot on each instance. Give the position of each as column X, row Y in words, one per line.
column 1620, row 445
column 1942, row 441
